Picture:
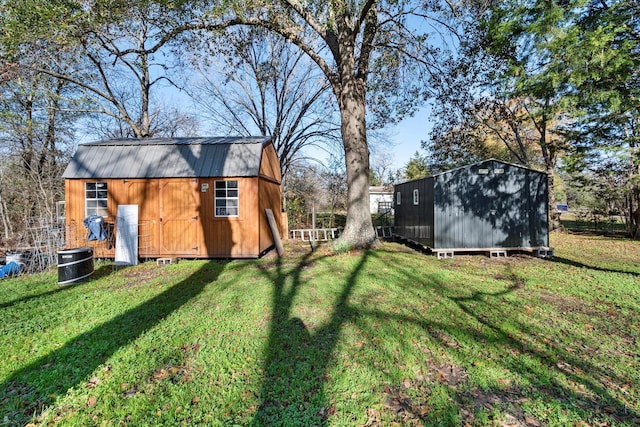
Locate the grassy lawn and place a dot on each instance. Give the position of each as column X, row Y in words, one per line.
column 372, row 338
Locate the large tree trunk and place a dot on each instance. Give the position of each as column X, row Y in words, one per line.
column 358, row 231
column 549, row 156
column 554, row 215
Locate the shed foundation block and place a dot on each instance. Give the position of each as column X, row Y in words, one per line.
column 497, row 254
column 543, row 253
column 444, row 254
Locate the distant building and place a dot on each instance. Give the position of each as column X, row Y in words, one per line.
column 381, row 199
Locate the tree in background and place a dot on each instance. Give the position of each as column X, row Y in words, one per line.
column 600, row 189
column 417, row 167
column 372, row 54
column 115, row 55
column 315, row 189
column 382, row 147
column 517, row 91
column 66, row 64
column 335, row 189
column 606, row 135
column 260, row 84
column 302, row 183
column 36, row 131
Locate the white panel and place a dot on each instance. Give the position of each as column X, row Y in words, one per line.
column 127, row 235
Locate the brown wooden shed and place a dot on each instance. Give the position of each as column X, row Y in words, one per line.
column 196, row 197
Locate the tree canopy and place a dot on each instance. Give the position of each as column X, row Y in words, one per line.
column 527, row 81
column 539, row 81
column 377, row 57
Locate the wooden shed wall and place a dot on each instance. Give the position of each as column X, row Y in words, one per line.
column 270, row 198
column 269, row 164
column 176, row 217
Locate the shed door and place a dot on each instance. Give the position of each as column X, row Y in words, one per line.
column 144, row 193
column 509, row 208
column 179, row 217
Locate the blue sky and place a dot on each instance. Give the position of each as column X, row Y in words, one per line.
column 407, row 136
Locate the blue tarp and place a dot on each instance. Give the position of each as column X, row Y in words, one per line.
column 95, row 224
column 11, row 269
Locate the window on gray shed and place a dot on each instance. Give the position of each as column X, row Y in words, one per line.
column 226, row 198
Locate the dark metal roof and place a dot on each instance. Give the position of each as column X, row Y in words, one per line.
column 469, row 166
column 168, row 158
column 483, row 162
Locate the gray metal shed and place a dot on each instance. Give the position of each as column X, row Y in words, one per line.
column 481, row 207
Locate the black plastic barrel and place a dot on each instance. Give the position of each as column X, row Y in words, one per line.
column 74, row 265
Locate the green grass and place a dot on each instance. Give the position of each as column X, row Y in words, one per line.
column 608, row 225
column 361, row 338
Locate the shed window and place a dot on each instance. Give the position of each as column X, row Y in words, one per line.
column 96, row 198
column 398, row 198
column 416, row 196
column 226, row 198
column 483, row 171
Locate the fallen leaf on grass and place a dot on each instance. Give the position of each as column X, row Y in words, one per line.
column 93, row 382
column 160, row 374
column 130, row 393
column 531, row 421
column 324, row 413
column 92, row 401
column 373, row 417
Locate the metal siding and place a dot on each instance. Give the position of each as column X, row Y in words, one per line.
column 415, row 222
column 241, row 159
column 510, row 202
column 185, row 161
column 160, row 158
column 400, row 220
column 149, row 161
column 426, row 209
column 200, row 163
column 468, row 210
column 457, row 226
column 215, row 161
column 539, row 215
column 473, row 210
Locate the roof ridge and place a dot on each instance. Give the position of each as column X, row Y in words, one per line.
column 206, row 140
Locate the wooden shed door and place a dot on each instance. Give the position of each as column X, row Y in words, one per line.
column 179, row 217
column 144, row 193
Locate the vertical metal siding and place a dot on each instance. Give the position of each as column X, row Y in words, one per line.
column 466, row 208
column 539, row 210
column 415, row 222
column 486, row 205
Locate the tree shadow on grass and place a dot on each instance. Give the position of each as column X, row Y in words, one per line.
column 100, row 272
column 583, row 382
column 565, row 376
column 577, row 264
column 27, row 392
column 297, row 359
column 299, row 356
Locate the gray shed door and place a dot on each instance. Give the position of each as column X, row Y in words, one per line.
column 483, row 208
